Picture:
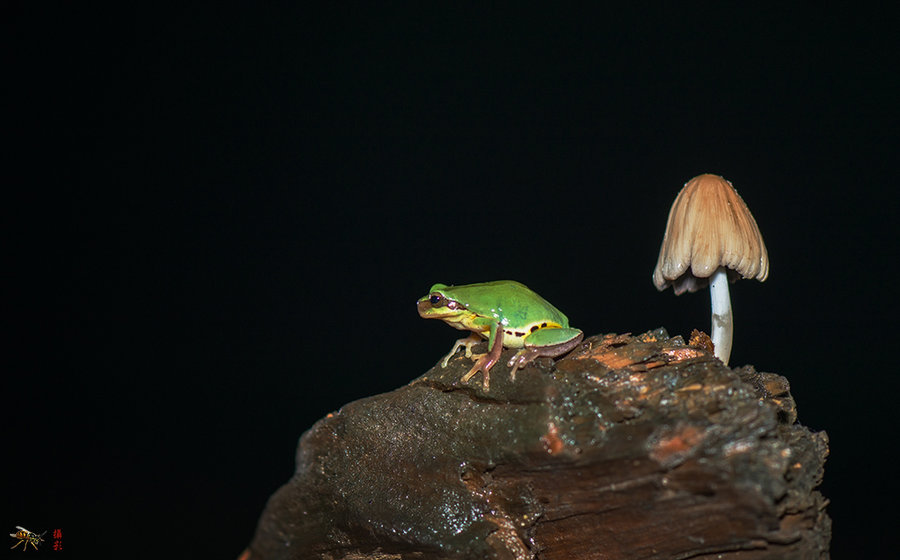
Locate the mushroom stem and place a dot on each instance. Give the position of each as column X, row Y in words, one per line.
column 722, row 323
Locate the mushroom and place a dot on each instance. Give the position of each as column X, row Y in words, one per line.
column 711, row 238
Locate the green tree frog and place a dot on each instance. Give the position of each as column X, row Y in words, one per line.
column 506, row 313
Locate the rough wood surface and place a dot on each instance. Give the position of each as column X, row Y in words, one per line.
column 630, row 447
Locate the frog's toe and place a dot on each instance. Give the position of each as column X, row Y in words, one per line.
column 519, row 360
column 483, row 363
column 447, row 359
column 465, row 378
column 475, row 369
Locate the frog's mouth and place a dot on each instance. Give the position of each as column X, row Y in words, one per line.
column 428, row 311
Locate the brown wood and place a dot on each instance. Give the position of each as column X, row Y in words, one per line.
column 630, row 447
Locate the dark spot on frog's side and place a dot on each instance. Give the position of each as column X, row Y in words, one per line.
column 543, row 325
column 534, row 328
column 520, row 334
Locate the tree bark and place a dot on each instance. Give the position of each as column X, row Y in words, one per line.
column 629, row 447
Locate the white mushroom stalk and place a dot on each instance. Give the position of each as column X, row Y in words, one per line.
column 711, row 236
column 722, row 321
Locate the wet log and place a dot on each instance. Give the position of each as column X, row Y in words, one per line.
column 629, row 447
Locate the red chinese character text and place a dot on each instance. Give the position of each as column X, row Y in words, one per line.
column 57, row 539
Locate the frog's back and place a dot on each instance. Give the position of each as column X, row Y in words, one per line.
column 515, row 301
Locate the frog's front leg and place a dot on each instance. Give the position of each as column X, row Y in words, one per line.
column 486, row 361
column 468, row 342
column 544, row 342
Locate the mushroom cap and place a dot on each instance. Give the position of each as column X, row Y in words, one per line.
column 709, row 226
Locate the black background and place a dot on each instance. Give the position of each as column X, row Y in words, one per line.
column 217, row 222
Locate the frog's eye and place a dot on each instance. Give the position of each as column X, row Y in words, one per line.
column 435, row 299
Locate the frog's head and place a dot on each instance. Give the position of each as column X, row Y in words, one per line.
column 439, row 304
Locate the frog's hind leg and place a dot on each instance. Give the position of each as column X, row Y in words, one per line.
column 530, row 353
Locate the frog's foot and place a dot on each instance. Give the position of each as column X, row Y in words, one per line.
column 468, row 342
column 483, row 363
column 530, row 353
column 520, row 359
